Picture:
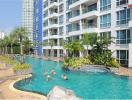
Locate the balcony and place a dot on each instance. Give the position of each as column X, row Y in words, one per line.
column 53, row 15
column 54, row 5
column 79, row 2
column 90, row 15
column 54, row 26
column 88, row 30
column 130, row 23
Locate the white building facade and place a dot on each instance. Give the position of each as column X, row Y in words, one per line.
column 27, row 16
column 70, row 19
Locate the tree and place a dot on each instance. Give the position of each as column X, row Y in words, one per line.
column 89, row 39
column 27, row 45
column 1, row 46
column 51, row 44
column 100, row 53
column 6, row 43
column 12, row 40
column 21, row 33
column 74, row 47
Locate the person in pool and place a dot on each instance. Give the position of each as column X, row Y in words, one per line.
column 53, row 72
column 64, row 77
column 48, row 77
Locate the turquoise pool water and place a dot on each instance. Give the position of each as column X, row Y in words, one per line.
column 85, row 85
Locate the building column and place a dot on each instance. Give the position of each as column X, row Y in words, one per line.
column 130, row 56
column 58, row 53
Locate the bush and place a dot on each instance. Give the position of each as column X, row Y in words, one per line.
column 76, row 62
column 21, row 67
column 7, row 60
column 114, row 63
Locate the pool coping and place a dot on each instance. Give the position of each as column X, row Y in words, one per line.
column 11, row 87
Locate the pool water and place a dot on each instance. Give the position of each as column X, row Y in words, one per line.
column 85, row 85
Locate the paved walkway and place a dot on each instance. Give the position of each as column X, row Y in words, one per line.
column 6, row 93
column 125, row 71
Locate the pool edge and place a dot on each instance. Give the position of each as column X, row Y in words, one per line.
column 11, row 87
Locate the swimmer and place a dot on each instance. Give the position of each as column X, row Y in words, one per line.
column 53, row 72
column 64, row 77
column 48, row 77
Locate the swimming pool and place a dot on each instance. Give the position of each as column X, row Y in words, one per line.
column 85, row 85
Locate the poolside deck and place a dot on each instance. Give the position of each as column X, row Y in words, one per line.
column 6, row 93
column 124, row 71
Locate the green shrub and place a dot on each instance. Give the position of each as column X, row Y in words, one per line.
column 76, row 62
column 21, row 67
column 7, row 60
column 114, row 63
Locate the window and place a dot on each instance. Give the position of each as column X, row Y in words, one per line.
column 61, row 8
column 105, row 5
column 92, row 7
column 68, row 16
column 69, row 28
column 123, row 37
column 105, row 21
column 123, row 16
column 105, row 34
column 61, row 30
column 46, row 13
column 45, row 4
column 45, row 23
column 45, row 33
column 61, row 19
column 122, row 57
column 121, row 2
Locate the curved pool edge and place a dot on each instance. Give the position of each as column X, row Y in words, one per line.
column 11, row 87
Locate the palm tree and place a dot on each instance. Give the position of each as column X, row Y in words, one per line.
column 1, row 46
column 51, row 44
column 74, row 47
column 27, row 45
column 6, row 43
column 11, row 42
column 100, row 53
column 21, row 33
column 89, row 39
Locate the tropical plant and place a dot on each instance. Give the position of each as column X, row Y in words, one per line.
column 100, row 54
column 6, row 43
column 1, row 46
column 27, row 45
column 21, row 67
column 51, row 44
column 76, row 62
column 7, row 60
column 89, row 39
column 12, row 40
column 20, row 33
column 73, row 47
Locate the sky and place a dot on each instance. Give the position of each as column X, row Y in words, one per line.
column 10, row 14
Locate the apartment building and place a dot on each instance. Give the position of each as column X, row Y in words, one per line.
column 27, row 16
column 70, row 19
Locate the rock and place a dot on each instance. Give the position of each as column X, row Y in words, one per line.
column 60, row 93
column 114, row 70
column 24, row 72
